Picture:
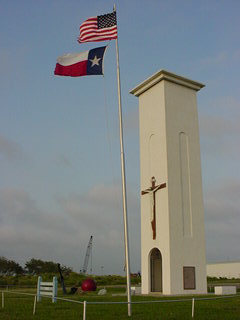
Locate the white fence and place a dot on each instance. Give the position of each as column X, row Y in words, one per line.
column 85, row 303
column 47, row 289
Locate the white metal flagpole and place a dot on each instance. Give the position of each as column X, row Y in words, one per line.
column 124, row 197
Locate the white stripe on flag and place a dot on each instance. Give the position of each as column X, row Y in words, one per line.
column 72, row 58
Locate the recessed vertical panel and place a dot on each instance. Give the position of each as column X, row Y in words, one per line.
column 154, row 155
column 185, row 185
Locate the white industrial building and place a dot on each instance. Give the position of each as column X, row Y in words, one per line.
column 224, row 270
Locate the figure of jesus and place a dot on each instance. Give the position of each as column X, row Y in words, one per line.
column 151, row 191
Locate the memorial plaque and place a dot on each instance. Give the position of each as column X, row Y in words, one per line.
column 189, row 281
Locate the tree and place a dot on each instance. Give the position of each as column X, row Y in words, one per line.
column 10, row 267
column 3, row 266
column 34, row 266
column 37, row 266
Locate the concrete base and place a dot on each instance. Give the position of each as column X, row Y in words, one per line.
column 221, row 290
column 136, row 290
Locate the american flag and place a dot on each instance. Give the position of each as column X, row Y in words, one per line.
column 99, row 28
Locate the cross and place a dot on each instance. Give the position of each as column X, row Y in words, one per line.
column 152, row 190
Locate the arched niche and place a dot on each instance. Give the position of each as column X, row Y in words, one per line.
column 156, row 270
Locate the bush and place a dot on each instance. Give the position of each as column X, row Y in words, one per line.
column 70, row 279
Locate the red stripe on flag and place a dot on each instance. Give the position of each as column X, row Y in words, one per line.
column 98, row 37
column 89, row 20
column 74, row 70
column 99, row 31
column 87, row 35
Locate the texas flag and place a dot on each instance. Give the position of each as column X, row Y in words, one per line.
column 81, row 64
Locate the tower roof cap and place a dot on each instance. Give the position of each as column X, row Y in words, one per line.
column 168, row 76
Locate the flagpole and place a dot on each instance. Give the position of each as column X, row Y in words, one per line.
column 125, row 219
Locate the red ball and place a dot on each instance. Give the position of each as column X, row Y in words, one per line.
column 89, row 285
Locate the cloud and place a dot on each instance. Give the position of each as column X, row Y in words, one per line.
column 9, row 149
column 222, row 213
column 100, row 212
column 6, row 65
column 12, row 66
column 19, row 204
column 219, row 127
column 219, row 132
column 27, row 231
column 214, row 60
column 131, row 121
column 64, row 161
column 216, row 126
column 236, row 55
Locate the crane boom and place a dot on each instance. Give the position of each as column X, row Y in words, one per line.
column 88, row 252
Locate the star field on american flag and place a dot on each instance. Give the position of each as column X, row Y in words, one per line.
column 107, row 20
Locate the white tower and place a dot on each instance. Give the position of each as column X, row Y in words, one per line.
column 172, row 215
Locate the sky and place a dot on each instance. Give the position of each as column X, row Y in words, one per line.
column 59, row 136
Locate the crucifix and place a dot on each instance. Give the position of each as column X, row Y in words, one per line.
column 151, row 191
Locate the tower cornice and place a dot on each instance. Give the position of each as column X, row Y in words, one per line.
column 168, row 76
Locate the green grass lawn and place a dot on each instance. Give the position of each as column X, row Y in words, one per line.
column 20, row 307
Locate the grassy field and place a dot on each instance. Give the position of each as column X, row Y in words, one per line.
column 20, row 307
